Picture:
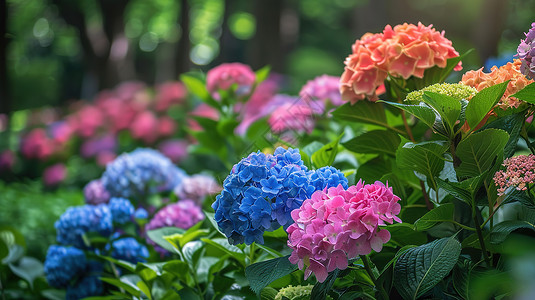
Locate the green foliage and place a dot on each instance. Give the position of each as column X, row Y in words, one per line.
column 376, row 141
column 443, row 213
column 480, row 105
column 419, row 269
column 479, row 152
column 263, row 273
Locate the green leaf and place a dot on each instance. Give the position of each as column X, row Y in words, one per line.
column 196, row 86
column 321, row 289
column 262, row 73
column 362, row 112
column 268, row 293
column 464, row 190
column 419, row 269
column 15, row 253
column 52, row 294
column 526, row 94
column 425, row 158
column 4, row 250
column 439, row 214
column 420, row 111
column 502, row 230
column 130, row 267
column 512, row 124
column 127, row 285
column 263, row 273
column 178, row 268
column 325, row 155
column 28, row 269
column 403, row 234
column 223, row 245
column 448, row 107
column 479, row 151
column 179, row 240
column 377, row 141
column 480, row 105
column 191, row 252
column 144, row 288
column 158, row 236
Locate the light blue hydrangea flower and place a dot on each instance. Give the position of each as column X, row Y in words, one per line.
column 130, row 250
column 140, row 173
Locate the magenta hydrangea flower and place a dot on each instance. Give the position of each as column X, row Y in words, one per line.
column 182, row 214
column 336, row 225
column 224, row 76
column 197, row 187
column 323, row 88
column 54, row 174
column 526, row 53
column 519, row 173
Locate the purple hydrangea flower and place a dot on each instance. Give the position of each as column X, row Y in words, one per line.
column 197, row 187
column 95, row 193
column 62, row 264
column 79, row 220
column 182, row 214
column 526, row 53
column 323, row 88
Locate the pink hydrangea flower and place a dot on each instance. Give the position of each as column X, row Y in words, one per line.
column 54, row 174
column 323, row 88
column 144, row 127
column 292, row 117
column 224, row 76
column 197, row 187
column 205, row 111
column 519, row 173
column 37, row 144
column 336, row 225
column 87, row 120
column 169, row 94
column 403, row 51
column 166, row 126
column 182, row 214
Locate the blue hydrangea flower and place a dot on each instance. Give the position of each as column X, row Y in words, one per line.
column 121, row 210
column 86, row 286
column 261, row 191
column 76, row 221
column 130, row 250
column 141, row 213
column 62, row 264
column 139, row 173
column 326, row 177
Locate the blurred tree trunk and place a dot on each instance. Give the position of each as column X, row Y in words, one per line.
column 5, row 101
column 266, row 46
column 225, row 42
column 182, row 61
column 105, row 49
column 487, row 32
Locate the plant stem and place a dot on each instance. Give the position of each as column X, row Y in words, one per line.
column 116, row 273
column 367, row 267
column 407, row 128
column 482, row 241
column 428, row 203
column 251, row 253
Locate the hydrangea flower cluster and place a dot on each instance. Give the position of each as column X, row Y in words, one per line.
column 262, row 190
column 519, row 173
column 182, row 214
column 197, row 187
column 62, row 264
column 224, row 76
column 455, row 90
column 510, row 71
column 78, row 220
column 95, row 193
column 121, row 210
column 85, row 287
column 300, row 292
column 526, row 53
column 324, row 88
column 298, row 117
column 54, row 174
column 67, row 267
column 337, row 224
column 141, row 172
column 403, row 51
column 129, row 249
